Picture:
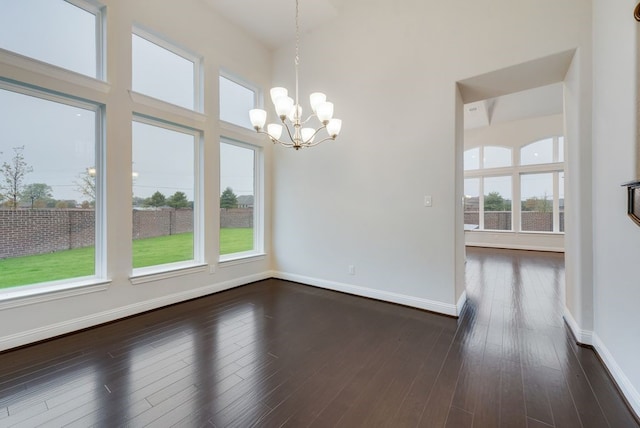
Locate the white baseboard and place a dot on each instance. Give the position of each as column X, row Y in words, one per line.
column 402, row 299
column 50, row 331
column 461, row 302
column 584, row 337
column 628, row 390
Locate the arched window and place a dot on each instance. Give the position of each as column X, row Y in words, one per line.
column 496, row 157
column 538, row 152
column 472, row 159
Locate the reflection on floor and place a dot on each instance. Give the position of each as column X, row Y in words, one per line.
column 275, row 353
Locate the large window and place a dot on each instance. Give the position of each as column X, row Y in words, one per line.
column 54, row 31
column 536, row 180
column 165, row 178
column 235, row 102
column 50, row 181
column 240, row 232
column 165, row 72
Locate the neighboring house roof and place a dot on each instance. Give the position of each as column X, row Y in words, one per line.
column 245, row 200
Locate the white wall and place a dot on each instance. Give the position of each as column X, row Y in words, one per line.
column 515, row 134
column 191, row 25
column 391, row 68
column 616, row 237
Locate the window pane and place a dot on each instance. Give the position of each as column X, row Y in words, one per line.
column 52, row 31
column 497, row 203
column 496, row 157
column 237, row 198
column 47, row 190
column 537, row 152
column 235, row 102
column 471, row 202
column 472, row 159
column 163, row 194
column 162, row 74
column 537, row 202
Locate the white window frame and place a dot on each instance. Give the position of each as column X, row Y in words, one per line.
column 37, row 292
column 198, row 73
column 258, row 204
column 197, row 264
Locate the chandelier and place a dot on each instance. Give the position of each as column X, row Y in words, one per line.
column 290, row 113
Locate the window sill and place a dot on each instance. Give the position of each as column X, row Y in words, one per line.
column 158, row 273
column 522, row 232
column 31, row 294
column 240, row 258
column 167, row 107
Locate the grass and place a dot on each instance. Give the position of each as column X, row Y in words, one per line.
column 80, row 261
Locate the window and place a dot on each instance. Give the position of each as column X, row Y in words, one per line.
column 472, row 159
column 165, row 72
column 240, row 231
column 165, row 198
column 496, row 157
column 538, row 152
column 497, row 203
column 537, row 197
column 54, row 31
column 235, row 102
column 50, row 181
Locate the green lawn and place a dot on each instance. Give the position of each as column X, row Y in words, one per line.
column 80, row 261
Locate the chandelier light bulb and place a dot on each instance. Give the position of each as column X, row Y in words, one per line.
column 315, row 99
column 333, row 127
column 278, row 92
column 274, row 130
column 284, row 105
column 258, row 118
column 324, row 112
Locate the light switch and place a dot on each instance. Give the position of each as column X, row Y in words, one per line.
column 427, row 201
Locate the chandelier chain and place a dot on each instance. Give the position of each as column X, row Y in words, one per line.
column 297, row 51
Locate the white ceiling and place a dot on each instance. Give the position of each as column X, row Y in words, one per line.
column 273, row 21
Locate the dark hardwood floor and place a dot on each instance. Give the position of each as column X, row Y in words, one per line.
column 275, row 353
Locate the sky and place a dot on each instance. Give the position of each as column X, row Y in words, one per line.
column 59, row 139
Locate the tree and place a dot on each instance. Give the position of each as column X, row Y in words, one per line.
column 494, row 202
column 178, row 200
column 36, row 192
column 156, row 200
column 13, row 173
column 86, row 184
column 228, row 199
column 542, row 205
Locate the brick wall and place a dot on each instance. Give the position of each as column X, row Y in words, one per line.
column 500, row 220
column 28, row 232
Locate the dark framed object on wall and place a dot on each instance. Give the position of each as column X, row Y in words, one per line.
column 633, row 200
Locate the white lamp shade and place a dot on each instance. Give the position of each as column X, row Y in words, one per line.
column 292, row 113
column 307, row 134
column 324, row 112
column 284, row 105
column 315, row 99
column 278, row 92
column 333, row 127
column 258, row 117
column 274, row 130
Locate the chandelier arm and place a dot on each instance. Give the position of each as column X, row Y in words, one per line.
column 291, row 137
column 275, row 140
column 315, row 143
column 316, row 133
column 308, row 119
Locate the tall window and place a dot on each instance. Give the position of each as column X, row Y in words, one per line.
column 497, row 203
column 50, row 180
column 240, row 232
column 538, row 152
column 164, row 192
column 235, row 102
column 165, row 72
column 54, row 31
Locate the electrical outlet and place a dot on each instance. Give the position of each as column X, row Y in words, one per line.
column 428, row 201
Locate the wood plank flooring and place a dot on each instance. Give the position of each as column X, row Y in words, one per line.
column 276, row 353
